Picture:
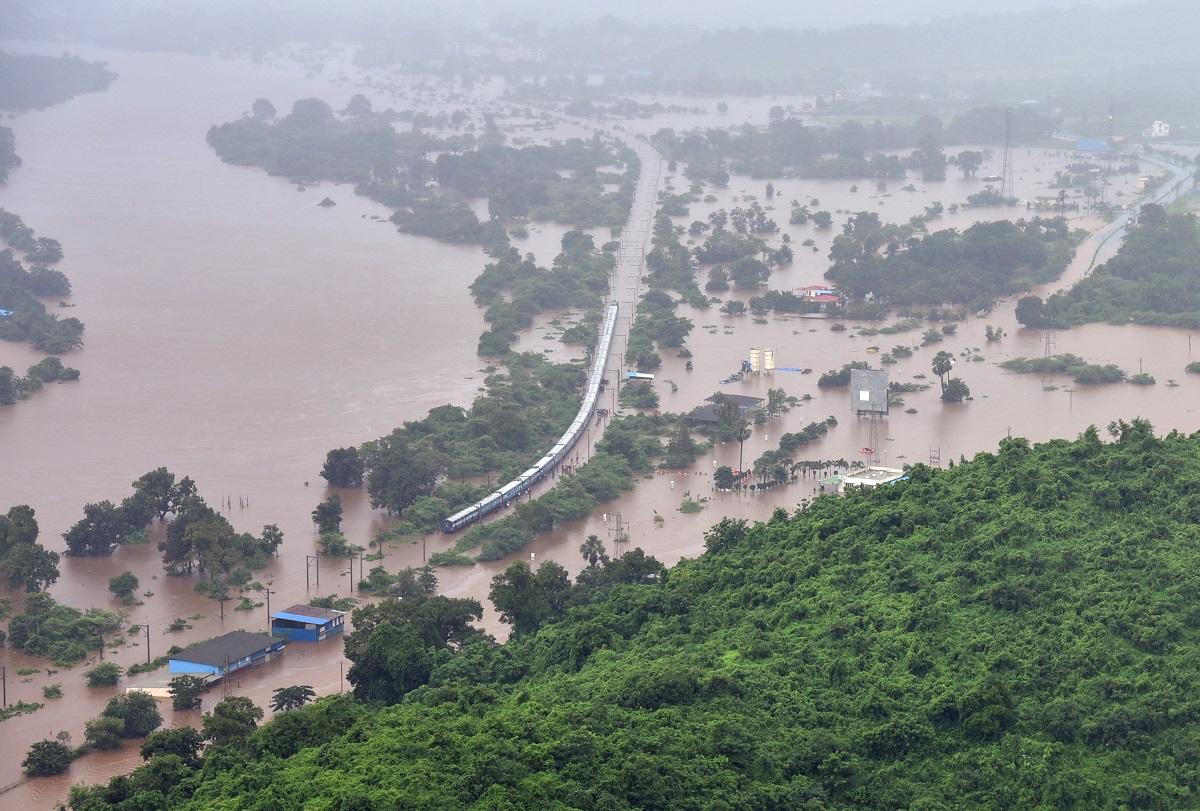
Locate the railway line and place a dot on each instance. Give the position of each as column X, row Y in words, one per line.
column 623, row 294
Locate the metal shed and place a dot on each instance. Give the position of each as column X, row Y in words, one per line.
column 307, row 623
column 225, row 654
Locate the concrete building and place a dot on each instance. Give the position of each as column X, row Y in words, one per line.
column 822, row 295
column 872, row 477
column 710, row 414
column 520, row 53
column 1159, row 129
column 225, row 654
column 307, row 623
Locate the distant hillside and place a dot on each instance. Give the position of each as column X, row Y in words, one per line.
column 1016, row 632
column 1078, row 39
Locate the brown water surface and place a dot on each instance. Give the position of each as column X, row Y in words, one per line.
column 236, row 332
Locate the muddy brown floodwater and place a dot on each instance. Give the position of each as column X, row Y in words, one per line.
column 236, row 331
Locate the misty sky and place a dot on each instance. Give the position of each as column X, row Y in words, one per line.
column 794, row 14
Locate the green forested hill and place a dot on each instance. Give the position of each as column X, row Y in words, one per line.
column 1018, row 632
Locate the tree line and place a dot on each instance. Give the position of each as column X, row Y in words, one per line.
column 902, row 646
column 1153, row 279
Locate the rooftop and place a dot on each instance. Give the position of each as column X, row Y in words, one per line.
column 310, row 612
column 740, row 400
column 874, row 475
column 229, row 647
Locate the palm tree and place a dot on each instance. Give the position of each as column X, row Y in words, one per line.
column 290, row 698
column 943, row 362
column 593, row 551
column 742, row 435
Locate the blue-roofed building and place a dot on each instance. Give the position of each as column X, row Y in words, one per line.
column 307, row 623
column 225, row 654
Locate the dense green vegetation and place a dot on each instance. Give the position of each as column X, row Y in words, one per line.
column 59, row 632
column 514, row 289
column 976, row 266
column 655, row 324
column 343, row 467
column 33, row 81
column 840, row 378
column 313, row 143
column 47, row 370
column 628, row 448
column 25, row 563
column 563, row 182
column 787, row 148
column 638, row 394
column 1153, row 279
column 198, row 538
column 779, row 466
column 8, row 153
column 20, row 289
column 413, row 470
column 133, row 715
column 1067, row 364
column 1014, row 632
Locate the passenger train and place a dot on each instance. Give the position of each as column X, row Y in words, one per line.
column 542, row 468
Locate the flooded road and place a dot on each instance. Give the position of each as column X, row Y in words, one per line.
column 236, row 331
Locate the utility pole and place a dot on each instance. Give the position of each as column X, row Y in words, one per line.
column 4, row 682
column 268, row 592
column 146, row 628
column 310, row 560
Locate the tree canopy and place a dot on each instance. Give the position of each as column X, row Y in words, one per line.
column 1153, row 279
column 986, row 261
column 1014, row 632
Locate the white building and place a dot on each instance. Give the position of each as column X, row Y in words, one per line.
column 520, row 53
column 1159, row 129
column 871, row 477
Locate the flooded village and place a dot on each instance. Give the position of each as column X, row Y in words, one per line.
column 237, row 331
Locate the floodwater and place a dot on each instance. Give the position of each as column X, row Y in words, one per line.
column 236, row 331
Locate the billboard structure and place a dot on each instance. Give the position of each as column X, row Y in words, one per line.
column 868, row 392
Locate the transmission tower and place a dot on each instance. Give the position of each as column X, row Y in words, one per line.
column 876, row 437
column 1108, row 153
column 1007, row 186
